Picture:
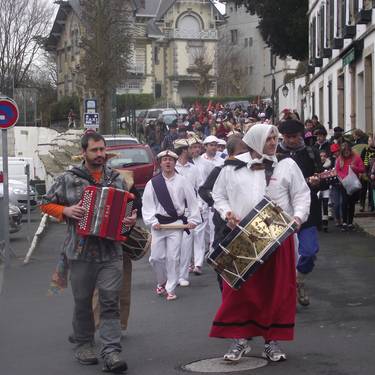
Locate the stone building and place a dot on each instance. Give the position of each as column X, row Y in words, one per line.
column 174, row 55
column 242, row 49
column 341, row 63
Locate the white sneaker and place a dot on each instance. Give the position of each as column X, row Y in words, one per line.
column 273, row 352
column 184, row 282
column 238, row 348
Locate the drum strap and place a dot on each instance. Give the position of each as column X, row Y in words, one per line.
column 164, row 198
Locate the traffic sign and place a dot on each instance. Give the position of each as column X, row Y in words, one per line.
column 91, row 106
column 8, row 113
column 91, row 120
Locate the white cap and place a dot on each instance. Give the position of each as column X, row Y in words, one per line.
column 179, row 143
column 210, row 139
column 262, row 114
column 221, row 142
column 194, row 140
column 167, row 153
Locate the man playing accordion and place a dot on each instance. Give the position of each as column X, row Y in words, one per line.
column 94, row 262
column 265, row 305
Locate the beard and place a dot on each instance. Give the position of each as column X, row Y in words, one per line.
column 95, row 162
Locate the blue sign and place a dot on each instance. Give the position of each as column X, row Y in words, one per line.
column 91, row 106
column 8, row 113
column 91, row 120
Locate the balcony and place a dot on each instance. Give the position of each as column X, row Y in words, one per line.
column 137, row 69
column 210, row 34
column 327, row 53
column 337, row 43
column 364, row 16
column 318, row 62
column 349, row 31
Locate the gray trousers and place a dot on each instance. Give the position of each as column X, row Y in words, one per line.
column 107, row 277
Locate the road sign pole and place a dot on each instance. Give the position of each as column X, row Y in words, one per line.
column 4, row 136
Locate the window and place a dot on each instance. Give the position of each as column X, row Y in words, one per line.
column 66, row 51
column 189, row 26
column 250, row 42
column 246, row 42
column 140, row 60
column 234, row 36
column 341, row 17
column 156, row 55
column 330, row 22
column 320, row 31
column 129, row 156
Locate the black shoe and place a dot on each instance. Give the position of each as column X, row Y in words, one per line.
column 113, row 363
column 85, row 354
column 72, row 339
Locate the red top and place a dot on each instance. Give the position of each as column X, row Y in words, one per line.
column 354, row 161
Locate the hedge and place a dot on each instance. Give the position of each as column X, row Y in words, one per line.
column 204, row 100
column 133, row 101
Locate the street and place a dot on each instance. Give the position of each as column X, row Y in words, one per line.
column 335, row 335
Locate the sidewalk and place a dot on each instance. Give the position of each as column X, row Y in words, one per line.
column 366, row 221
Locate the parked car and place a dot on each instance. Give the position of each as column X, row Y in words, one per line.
column 137, row 158
column 244, row 104
column 171, row 114
column 153, row 114
column 18, row 195
column 117, row 140
column 15, row 218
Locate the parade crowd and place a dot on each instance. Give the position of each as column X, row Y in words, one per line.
column 217, row 164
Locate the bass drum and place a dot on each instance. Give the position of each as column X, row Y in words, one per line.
column 138, row 243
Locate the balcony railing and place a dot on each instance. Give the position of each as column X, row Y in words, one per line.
column 138, row 69
column 189, row 34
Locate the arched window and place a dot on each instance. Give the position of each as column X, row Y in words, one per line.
column 189, row 23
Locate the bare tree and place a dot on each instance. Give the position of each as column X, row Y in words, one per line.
column 23, row 26
column 231, row 80
column 202, row 67
column 107, row 50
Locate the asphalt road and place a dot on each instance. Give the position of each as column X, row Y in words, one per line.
column 335, row 335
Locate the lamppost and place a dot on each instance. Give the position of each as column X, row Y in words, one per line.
column 284, row 90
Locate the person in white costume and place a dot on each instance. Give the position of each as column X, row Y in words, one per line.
column 237, row 190
column 211, row 144
column 165, row 200
column 205, row 168
column 192, row 243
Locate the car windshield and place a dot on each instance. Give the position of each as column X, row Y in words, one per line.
column 154, row 114
column 120, row 141
column 128, row 157
column 168, row 119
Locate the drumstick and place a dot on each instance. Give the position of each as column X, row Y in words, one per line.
column 174, row 226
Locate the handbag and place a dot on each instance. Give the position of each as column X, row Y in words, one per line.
column 351, row 182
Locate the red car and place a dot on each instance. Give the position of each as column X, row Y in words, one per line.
column 137, row 158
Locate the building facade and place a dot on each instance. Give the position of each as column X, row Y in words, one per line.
column 174, row 48
column 242, row 48
column 341, row 63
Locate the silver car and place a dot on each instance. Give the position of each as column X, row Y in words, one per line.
column 18, row 195
column 15, row 218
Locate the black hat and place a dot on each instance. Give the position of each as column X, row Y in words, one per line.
column 291, row 127
column 320, row 131
column 337, row 129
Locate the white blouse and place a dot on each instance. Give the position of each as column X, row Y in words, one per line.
column 241, row 190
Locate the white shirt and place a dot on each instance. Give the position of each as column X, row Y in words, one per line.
column 193, row 175
column 241, row 190
column 216, row 161
column 204, row 166
column 180, row 191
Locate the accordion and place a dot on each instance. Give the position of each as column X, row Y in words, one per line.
column 105, row 210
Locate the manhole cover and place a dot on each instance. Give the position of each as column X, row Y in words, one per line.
column 219, row 365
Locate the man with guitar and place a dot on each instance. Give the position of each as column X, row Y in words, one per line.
column 308, row 160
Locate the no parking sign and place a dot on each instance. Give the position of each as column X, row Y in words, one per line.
column 9, row 113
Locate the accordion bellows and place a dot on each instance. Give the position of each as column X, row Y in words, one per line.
column 105, row 210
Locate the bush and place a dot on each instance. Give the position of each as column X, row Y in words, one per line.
column 61, row 109
column 204, row 100
column 126, row 102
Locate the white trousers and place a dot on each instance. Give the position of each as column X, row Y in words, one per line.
column 165, row 257
column 209, row 226
column 192, row 243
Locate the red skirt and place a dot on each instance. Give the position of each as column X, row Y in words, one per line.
column 265, row 305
